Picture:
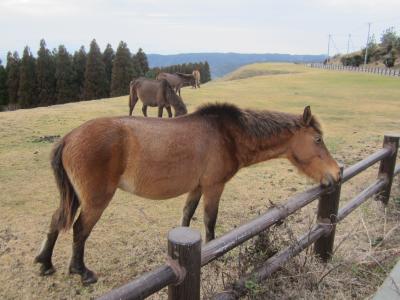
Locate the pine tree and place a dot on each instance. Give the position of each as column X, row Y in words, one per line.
column 79, row 65
column 45, row 75
column 66, row 89
column 12, row 70
column 27, row 90
column 140, row 63
column 108, row 57
column 95, row 74
column 122, row 71
column 207, row 73
column 3, row 86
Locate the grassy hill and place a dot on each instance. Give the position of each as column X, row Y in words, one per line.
column 355, row 109
column 223, row 63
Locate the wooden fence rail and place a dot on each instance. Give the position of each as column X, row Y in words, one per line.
column 186, row 255
column 372, row 70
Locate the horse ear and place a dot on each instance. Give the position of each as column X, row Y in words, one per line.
column 307, row 116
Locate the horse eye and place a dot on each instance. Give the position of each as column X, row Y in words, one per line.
column 318, row 140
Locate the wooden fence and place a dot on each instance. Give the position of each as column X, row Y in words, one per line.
column 372, row 70
column 186, row 255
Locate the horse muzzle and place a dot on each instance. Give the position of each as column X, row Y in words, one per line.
column 328, row 180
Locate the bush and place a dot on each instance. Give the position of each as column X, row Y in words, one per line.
column 352, row 60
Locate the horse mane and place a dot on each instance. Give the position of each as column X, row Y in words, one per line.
column 257, row 123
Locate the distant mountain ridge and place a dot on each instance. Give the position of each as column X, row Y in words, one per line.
column 223, row 63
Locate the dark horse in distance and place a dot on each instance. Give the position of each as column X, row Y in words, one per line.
column 155, row 93
column 178, row 80
column 195, row 154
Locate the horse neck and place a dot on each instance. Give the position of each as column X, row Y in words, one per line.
column 252, row 149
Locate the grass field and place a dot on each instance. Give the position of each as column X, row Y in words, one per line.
column 355, row 109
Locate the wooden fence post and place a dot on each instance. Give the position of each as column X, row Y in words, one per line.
column 184, row 246
column 328, row 206
column 386, row 168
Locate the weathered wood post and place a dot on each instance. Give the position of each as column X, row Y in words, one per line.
column 184, row 247
column 386, row 168
column 328, row 206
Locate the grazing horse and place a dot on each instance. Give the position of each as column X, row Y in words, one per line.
column 195, row 154
column 155, row 93
column 197, row 79
column 177, row 80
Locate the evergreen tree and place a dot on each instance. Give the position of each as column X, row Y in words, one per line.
column 27, row 91
column 45, row 75
column 140, row 63
column 3, row 86
column 12, row 70
column 206, row 74
column 66, row 89
column 108, row 57
column 95, row 74
column 122, row 71
column 79, row 65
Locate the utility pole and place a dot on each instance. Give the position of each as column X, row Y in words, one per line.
column 366, row 47
column 329, row 45
column 348, row 44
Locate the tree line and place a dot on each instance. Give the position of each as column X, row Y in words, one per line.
column 55, row 77
column 387, row 51
column 187, row 68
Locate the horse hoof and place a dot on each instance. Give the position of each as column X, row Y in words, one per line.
column 46, row 268
column 88, row 277
column 46, row 271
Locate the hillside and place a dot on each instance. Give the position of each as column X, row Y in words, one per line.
column 223, row 63
column 385, row 53
column 130, row 238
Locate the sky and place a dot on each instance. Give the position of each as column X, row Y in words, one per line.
column 182, row 26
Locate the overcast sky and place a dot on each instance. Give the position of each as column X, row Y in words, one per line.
column 181, row 26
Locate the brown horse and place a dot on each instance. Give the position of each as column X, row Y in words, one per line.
column 195, row 154
column 177, row 80
column 197, row 79
column 155, row 93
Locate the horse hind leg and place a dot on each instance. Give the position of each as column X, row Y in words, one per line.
column 133, row 98
column 191, row 204
column 81, row 231
column 211, row 199
column 46, row 251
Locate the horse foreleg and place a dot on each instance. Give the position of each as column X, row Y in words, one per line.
column 168, row 108
column 191, row 204
column 46, row 252
column 82, row 228
column 160, row 111
column 211, row 199
column 144, row 110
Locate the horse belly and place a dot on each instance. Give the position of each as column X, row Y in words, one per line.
column 158, row 185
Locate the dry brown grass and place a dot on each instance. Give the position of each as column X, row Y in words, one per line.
column 130, row 238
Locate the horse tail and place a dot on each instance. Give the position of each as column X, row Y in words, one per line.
column 69, row 202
